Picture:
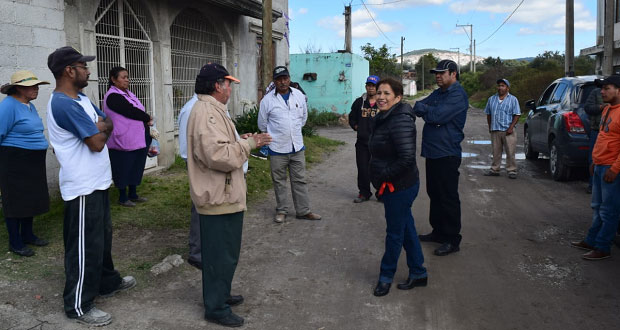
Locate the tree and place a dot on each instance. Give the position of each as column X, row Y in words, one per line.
column 382, row 63
column 430, row 62
column 584, row 65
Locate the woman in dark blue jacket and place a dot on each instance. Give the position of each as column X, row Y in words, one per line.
column 394, row 174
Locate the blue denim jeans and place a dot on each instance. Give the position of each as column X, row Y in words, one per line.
column 593, row 136
column 401, row 233
column 606, row 210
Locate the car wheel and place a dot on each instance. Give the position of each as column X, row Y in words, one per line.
column 559, row 170
column 527, row 145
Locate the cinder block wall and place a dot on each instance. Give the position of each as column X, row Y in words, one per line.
column 31, row 30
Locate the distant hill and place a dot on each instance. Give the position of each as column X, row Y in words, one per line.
column 414, row 55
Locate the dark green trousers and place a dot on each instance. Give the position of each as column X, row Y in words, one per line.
column 220, row 244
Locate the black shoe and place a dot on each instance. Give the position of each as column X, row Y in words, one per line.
column 446, row 249
column 382, row 289
column 232, row 320
column 37, row 242
column 429, row 238
column 195, row 263
column 360, row 198
column 411, row 283
column 24, row 252
column 234, row 300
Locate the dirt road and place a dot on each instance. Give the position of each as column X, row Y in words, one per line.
column 515, row 269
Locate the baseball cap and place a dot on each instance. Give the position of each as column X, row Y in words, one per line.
column 503, row 80
column 280, row 71
column 372, row 80
column 64, row 56
column 611, row 80
column 445, row 65
column 214, row 71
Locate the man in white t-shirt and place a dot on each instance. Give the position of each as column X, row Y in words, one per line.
column 78, row 131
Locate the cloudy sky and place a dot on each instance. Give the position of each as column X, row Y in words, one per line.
column 535, row 26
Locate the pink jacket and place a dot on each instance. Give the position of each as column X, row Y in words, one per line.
column 128, row 134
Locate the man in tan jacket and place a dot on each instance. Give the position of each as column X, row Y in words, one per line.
column 215, row 157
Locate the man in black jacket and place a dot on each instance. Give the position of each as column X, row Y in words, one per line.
column 362, row 111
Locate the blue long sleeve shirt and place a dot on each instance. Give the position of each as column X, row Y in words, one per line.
column 444, row 113
column 20, row 125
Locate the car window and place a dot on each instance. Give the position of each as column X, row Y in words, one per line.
column 584, row 92
column 544, row 99
column 558, row 94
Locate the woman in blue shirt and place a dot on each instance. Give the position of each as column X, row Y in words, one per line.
column 23, row 178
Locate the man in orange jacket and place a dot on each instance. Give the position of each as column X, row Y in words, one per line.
column 604, row 171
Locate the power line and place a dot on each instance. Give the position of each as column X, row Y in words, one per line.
column 506, row 20
column 373, row 19
column 379, row 4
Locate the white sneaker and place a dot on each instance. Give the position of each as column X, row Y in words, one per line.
column 280, row 218
column 127, row 283
column 95, row 317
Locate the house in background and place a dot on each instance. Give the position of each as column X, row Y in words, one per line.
column 162, row 43
column 332, row 81
column 597, row 50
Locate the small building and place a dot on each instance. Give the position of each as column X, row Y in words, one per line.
column 163, row 44
column 597, row 49
column 332, row 81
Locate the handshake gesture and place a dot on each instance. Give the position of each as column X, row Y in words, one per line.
column 261, row 139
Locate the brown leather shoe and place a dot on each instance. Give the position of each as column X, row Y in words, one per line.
column 582, row 245
column 279, row 218
column 309, row 216
column 596, row 255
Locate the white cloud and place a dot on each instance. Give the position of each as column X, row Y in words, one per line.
column 362, row 25
column 526, row 30
column 302, row 11
column 391, row 4
column 544, row 17
column 436, row 25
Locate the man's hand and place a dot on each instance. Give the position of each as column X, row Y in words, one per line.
column 355, row 128
column 509, row 130
column 262, row 139
column 609, row 176
column 592, row 169
column 101, row 125
column 246, row 135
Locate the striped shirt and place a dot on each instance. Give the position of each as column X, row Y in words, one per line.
column 502, row 112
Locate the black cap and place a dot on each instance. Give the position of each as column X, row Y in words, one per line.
column 214, row 71
column 611, row 80
column 280, row 71
column 64, row 56
column 445, row 65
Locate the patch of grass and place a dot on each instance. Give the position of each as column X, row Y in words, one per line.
column 166, row 212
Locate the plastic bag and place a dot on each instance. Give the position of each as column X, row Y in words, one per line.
column 153, row 149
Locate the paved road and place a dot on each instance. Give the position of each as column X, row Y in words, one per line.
column 515, row 269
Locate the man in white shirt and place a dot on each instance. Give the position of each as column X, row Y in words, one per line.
column 283, row 112
column 78, row 131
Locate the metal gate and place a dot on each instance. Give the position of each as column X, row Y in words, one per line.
column 194, row 42
column 123, row 39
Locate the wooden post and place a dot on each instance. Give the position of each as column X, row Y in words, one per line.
column 266, row 48
column 608, row 39
column 569, row 54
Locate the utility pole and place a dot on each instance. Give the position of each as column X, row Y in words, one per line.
column 569, row 53
column 608, row 39
column 471, row 39
column 347, row 28
column 474, row 55
column 458, row 57
column 423, row 72
column 402, row 39
column 266, row 47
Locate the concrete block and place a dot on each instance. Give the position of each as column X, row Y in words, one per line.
column 29, row 58
column 52, row 4
column 48, row 38
column 7, row 13
column 39, row 17
column 8, row 58
column 16, row 34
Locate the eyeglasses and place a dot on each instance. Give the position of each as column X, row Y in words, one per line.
column 79, row 66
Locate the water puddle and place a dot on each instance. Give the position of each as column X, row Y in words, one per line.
column 486, row 190
column 480, row 167
column 468, row 154
column 479, row 141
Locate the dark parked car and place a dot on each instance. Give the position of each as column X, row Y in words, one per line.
column 558, row 126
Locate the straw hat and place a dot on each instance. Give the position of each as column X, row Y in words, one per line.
column 22, row 78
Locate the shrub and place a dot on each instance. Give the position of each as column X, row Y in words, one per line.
column 248, row 121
